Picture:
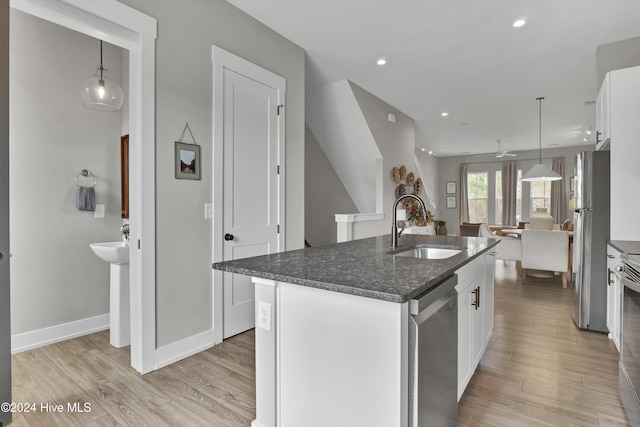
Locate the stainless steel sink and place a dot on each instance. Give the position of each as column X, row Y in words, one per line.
column 429, row 251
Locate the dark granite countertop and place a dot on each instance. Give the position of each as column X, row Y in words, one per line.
column 363, row 267
column 626, row 246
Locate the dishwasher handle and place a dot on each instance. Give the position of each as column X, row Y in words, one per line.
column 422, row 302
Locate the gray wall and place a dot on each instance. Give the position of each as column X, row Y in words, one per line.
column 5, row 316
column 184, row 77
column 450, row 170
column 325, row 195
column 55, row 278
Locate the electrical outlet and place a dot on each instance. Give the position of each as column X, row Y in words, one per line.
column 264, row 315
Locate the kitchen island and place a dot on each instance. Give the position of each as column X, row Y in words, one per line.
column 332, row 326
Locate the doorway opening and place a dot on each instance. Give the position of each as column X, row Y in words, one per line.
column 128, row 29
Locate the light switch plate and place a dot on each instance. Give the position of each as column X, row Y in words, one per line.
column 264, row 315
column 208, row 210
column 99, row 212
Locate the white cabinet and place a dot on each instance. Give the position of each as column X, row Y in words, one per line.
column 620, row 118
column 488, row 301
column 475, row 315
column 603, row 114
column 614, row 297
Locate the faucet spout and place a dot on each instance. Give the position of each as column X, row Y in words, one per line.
column 394, row 227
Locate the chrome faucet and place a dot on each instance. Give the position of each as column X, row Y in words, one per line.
column 124, row 230
column 394, row 226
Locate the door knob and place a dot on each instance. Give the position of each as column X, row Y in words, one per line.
column 228, row 237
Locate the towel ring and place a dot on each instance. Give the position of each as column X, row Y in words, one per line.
column 86, row 174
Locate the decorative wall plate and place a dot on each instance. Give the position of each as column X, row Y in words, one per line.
column 395, row 175
column 417, row 187
column 410, row 179
column 401, row 190
column 403, row 173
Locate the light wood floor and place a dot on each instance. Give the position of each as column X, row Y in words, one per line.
column 538, row 370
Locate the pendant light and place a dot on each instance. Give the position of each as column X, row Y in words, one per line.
column 101, row 93
column 541, row 172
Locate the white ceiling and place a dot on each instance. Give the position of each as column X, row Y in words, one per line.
column 464, row 57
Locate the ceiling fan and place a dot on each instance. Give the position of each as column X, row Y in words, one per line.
column 500, row 153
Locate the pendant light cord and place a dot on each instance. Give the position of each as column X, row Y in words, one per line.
column 540, row 128
column 101, row 67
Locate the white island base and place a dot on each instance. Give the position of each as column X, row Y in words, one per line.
column 329, row 359
column 325, row 358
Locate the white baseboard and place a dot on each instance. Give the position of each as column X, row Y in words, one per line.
column 182, row 349
column 57, row 333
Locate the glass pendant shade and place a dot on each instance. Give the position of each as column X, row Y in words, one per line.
column 541, row 172
column 101, row 93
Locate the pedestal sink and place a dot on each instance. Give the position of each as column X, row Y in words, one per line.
column 117, row 255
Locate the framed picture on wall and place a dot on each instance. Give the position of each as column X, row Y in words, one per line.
column 187, row 161
column 451, row 187
column 451, row 202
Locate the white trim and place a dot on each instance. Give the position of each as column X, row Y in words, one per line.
column 344, row 224
column 223, row 59
column 130, row 29
column 266, row 282
column 359, row 217
column 184, row 348
column 53, row 334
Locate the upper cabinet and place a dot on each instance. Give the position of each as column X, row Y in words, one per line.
column 603, row 115
column 619, row 114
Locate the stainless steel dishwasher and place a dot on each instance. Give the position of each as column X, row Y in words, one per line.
column 433, row 356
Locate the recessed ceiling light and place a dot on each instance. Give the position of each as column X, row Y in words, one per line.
column 588, row 132
column 381, row 61
column 465, row 125
column 519, row 23
column 444, row 114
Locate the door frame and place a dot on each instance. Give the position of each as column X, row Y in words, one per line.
column 222, row 60
column 123, row 26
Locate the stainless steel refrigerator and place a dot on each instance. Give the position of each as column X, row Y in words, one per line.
column 590, row 236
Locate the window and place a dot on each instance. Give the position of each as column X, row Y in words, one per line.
column 478, row 193
column 540, row 195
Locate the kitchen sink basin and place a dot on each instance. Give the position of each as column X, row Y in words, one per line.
column 429, row 252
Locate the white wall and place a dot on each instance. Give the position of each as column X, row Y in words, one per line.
column 324, row 195
column 449, row 168
column 428, row 165
column 55, row 278
column 336, row 120
column 184, row 77
column 396, row 142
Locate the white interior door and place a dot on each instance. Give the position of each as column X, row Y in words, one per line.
column 251, row 201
